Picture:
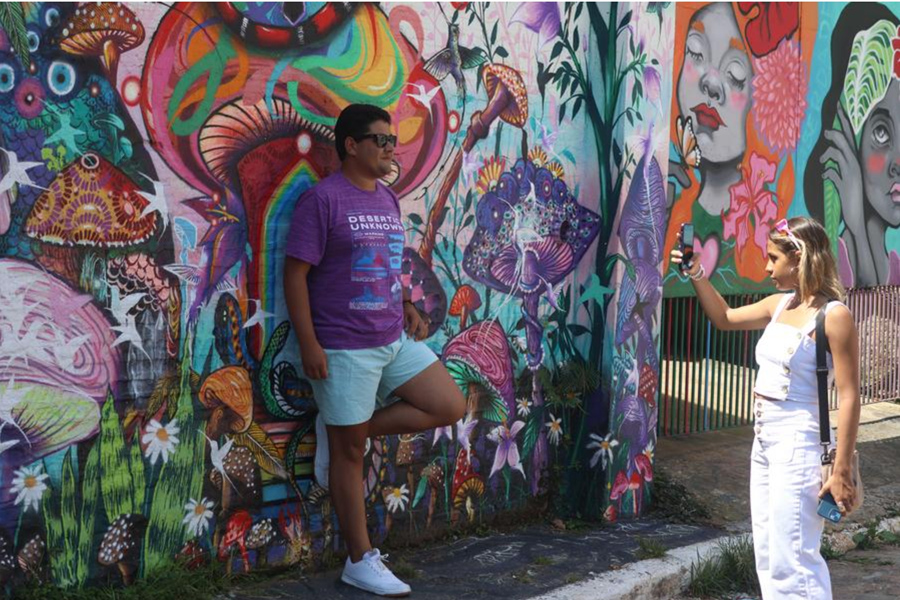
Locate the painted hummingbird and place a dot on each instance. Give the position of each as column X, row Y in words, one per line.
column 453, row 59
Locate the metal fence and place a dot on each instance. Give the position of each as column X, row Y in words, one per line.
column 707, row 375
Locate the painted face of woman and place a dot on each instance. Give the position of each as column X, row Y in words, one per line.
column 879, row 149
column 714, row 86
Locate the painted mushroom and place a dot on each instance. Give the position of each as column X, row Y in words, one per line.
column 479, row 359
column 104, row 29
column 192, row 555
column 121, row 545
column 508, row 101
column 465, row 300
column 242, row 485
column 235, row 535
column 58, row 364
column 228, row 393
column 90, row 203
column 467, row 487
column 434, row 475
column 31, row 557
column 258, row 538
column 7, row 560
column 624, row 484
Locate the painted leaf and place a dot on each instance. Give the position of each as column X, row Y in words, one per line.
column 68, row 517
column 832, row 201
column 12, row 20
column 165, row 531
column 263, row 449
column 420, row 491
column 138, row 477
column 90, row 496
column 868, row 72
column 115, row 479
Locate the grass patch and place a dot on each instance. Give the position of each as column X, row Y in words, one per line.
column 650, row 548
column 674, row 503
column 403, row 569
column 542, row 561
column 572, row 578
column 869, row 560
column 732, row 570
column 174, row 581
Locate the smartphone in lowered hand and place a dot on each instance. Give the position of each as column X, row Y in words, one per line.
column 687, row 246
column 828, row 508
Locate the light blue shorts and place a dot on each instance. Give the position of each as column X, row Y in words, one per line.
column 358, row 380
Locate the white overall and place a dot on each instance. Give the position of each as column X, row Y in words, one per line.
column 785, row 475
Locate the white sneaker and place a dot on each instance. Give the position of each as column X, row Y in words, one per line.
column 322, row 460
column 371, row 575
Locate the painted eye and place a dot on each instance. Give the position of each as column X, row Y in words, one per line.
column 51, row 18
column 881, row 135
column 34, row 41
column 7, row 78
column 61, row 78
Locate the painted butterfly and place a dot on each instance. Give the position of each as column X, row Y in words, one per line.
column 687, row 141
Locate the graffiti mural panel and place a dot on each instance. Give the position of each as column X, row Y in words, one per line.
column 152, row 408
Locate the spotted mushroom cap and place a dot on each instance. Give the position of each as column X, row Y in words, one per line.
column 497, row 75
column 235, row 532
column 94, row 25
column 122, row 541
column 243, row 472
column 7, row 560
column 91, row 203
column 31, row 555
column 435, row 475
column 260, row 534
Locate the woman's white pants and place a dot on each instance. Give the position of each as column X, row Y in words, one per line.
column 785, row 479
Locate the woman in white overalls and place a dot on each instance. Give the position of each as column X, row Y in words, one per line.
column 785, row 475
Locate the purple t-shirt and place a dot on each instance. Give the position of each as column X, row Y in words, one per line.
column 354, row 240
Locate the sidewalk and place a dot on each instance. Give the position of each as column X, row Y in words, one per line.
column 524, row 564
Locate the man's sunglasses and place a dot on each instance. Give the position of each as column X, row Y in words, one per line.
column 381, row 139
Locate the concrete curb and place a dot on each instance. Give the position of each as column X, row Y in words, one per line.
column 643, row 580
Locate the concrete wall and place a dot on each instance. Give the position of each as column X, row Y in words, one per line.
column 152, row 403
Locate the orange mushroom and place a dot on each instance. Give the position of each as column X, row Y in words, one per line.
column 104, row 29
column 229, row 393
column 465, row 300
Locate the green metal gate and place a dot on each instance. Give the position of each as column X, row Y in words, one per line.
column 707, row 375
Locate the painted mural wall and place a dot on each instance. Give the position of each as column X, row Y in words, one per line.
column 152, row 407
column 780, row 110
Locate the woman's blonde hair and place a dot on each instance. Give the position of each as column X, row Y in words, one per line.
column 817, row 271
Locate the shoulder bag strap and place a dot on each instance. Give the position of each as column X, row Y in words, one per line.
column 822, row 377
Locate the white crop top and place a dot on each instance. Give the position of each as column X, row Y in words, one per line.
column 786, row 356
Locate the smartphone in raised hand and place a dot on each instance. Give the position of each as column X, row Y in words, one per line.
column 687, row 246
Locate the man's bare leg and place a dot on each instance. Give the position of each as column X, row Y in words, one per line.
column 347, row 446
column 430, row 399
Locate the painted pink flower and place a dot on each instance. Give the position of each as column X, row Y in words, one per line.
column 779, row 96
column 750, row 198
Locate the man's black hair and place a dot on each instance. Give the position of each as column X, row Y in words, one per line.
column 354, row 121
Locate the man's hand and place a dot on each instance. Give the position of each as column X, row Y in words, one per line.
column 414, row 323
column 315, row 362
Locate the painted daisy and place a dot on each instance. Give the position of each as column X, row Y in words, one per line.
column 29, row 487
column 523, row 406
column 554, row 427
column 198, row 515
column 160, row 440
column 603, row 447
column 397, row 498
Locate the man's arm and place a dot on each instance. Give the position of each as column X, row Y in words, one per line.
column 296, row 296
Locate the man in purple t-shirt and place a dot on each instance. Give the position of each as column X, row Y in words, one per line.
column 359, row 333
